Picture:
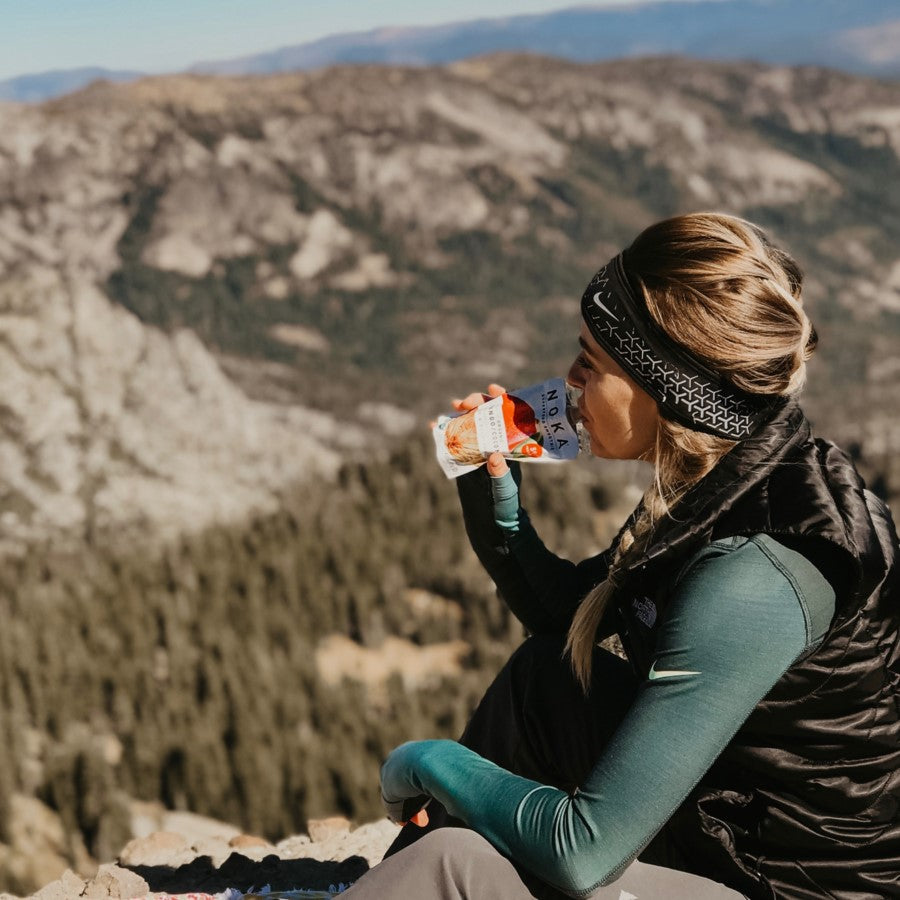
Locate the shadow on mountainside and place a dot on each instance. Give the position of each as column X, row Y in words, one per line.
column 201, row 875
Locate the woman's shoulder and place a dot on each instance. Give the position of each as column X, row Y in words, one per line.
column 766, row 569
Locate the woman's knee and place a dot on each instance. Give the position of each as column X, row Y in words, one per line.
column 468, row 865
column 449, row 844
column 441, row 865
column 449, row 856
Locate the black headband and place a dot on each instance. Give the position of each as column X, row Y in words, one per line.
column 686, row 389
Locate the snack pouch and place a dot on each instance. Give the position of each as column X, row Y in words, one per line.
column 529, row 424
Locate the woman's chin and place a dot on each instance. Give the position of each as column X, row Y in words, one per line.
column 599, row 451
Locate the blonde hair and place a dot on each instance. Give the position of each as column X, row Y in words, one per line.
column 717, row 286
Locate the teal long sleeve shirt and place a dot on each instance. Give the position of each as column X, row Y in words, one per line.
column 741, row 611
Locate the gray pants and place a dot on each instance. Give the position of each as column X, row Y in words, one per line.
column 459, row 864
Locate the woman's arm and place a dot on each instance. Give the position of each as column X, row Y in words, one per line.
column 740, row 615
column 542, row 589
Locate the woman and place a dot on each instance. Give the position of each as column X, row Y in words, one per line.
column 751, row 744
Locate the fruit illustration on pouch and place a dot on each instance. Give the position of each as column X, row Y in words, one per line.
column 531, row 448
column 522, row 433
column 461, row 437
column 523, row 437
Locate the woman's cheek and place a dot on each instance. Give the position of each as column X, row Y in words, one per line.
column 596, row 404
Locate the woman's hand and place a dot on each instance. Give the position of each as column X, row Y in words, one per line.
column 402, row 797
column 505, row 490
column 410, row 810
column 496, row 464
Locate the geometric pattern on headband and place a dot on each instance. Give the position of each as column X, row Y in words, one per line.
column 687, row 391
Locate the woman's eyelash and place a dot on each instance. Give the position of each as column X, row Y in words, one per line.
column 582, row 361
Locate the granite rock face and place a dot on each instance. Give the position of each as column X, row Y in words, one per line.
column 109, row 423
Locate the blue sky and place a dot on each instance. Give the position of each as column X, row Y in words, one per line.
column 167, row 35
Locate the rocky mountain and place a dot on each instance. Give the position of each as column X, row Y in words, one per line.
column 218, row 294
column 212, row 287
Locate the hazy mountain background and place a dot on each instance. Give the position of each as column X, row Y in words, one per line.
column 232, row 576
column 37, row 86
column 861, row 36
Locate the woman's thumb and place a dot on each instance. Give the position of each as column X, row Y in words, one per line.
column 496, row 465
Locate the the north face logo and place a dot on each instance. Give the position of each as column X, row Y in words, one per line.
column 645, row 610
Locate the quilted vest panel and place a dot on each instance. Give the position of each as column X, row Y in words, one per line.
column 804, row 802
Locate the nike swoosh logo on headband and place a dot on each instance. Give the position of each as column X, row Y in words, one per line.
column 599, row 303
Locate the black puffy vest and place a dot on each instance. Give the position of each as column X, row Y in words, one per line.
column 804, row 802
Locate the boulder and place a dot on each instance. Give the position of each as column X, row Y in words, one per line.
column 113, row 881
column 70, row 885
column 161, row 848
column 321, row 830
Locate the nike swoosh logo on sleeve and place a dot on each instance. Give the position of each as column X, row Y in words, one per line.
column 655, row 673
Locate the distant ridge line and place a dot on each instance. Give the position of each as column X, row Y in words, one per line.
column 853, row 35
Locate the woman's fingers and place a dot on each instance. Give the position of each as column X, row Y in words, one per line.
column 476, row 398
column 496, row 465
column 469, row 402
column 420, row 818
